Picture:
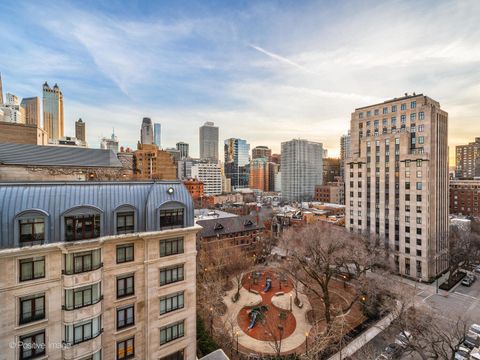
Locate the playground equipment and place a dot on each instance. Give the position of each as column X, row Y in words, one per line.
column 256, row 312
column 268, row 285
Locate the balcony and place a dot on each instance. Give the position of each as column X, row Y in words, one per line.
column 82, row 313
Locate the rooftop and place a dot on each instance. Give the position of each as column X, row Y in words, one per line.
column 391, row 100
column 37, row 155
column 228, row 225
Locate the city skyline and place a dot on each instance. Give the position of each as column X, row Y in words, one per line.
column 248, row 72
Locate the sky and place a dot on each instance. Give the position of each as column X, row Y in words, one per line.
column 265, row 71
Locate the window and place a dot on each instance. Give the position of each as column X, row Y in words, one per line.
column 420, row 128
column 125, row 317
column 125, row 253
column 407, row 250
column 368, row 123
column 369, row 113
column 32, row 346
column 403, row 107
column 419, row 163
column 407, row 229
column 394, row 108
column 171, row 218
column 82, row 227
column 419, row 197
column 419, row 173
column 407, row 219
column 171, row 302
column 419, row 209
column 125, row 285
column 403, row 119
column 421, row 139
column 407, row 197
column 419, row 231
column 171, row 246
column 419, row 186
column 419, row 242
column 171, row 332
column 125, row 222
column 407, row 173
column 394, row 120
column 32, row 268
column 179, row 355
column 385, row 110
column 413, row 116
column 32, row 229
column 83, row 331
column 375, row 123
column 413, row 105
column 32, row 308
column 96, row 356
column 82, row 296
column 171, row 274
column 375, row 112
column 419, row 220
column 82, row 261
column 419, row 252
column 126, row 349
column 360, row 115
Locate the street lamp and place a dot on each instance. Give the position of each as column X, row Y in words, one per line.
column 306, row 342
column 211, row 320
column 290, row 302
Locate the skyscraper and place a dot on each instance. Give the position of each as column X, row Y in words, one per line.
column 237, row 162
column 261, row 152
column 301, row 169
column 12, row 111
column 211, row 176
column 146, row 133
column 110, row 143
column 397, row 181
column 259, row 174
column 53, row 121
column 209, row 141
column 183, row 148
column 467, row 159
column 157, row 127
column 344, row 152
column 80, row 130
column 31, row 107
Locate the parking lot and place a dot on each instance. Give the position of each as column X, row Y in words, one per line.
column 473, row 290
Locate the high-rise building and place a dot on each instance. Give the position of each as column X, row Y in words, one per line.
column 31, row 107
column 80, row 130
column 344, row 152
column 237, row 160
column 209, row 141
column 261, row 152
column 396, row 180
column 157, row 133
column 69, row 279
column 331, row 170
column 467, row 160
column 259, row 174
column 12, row 111
column 273, row 171
column 301, row 169
column 53, row 121
column 211, row 175
column 183, row 148
column 110, row 143
column 175, row 153
column 184, row 168
column 149, row 162
column 146, row 132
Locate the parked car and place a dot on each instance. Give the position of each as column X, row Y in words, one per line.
column 468, row 280
column 392, row 351
column 477, row 269
column 475, row 328
column 472, row 340
column 403, row 338
column 463, row 353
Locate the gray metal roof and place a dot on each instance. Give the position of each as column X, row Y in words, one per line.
column 38, row 155
column 228, row 225
column 54, row 199
column 216, row 355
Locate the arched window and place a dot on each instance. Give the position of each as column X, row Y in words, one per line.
column 172, row 215
column 82, row 223
column 30, row 227
column 125, row 219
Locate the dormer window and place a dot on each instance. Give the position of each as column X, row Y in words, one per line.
column 82, row 227
column 32, row 230
column 218, row 227
column 248, row 223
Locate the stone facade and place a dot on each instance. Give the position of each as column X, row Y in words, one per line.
column 396, row 180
